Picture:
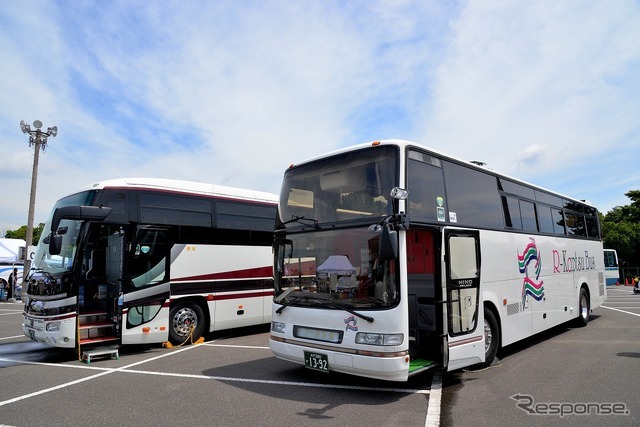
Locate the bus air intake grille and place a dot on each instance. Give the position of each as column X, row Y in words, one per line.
column 513, row 308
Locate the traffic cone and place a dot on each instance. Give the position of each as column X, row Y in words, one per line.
column 626, row 281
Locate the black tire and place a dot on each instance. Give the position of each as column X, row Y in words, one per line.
column 182, row 317
column 583, row 308
column 491, row 338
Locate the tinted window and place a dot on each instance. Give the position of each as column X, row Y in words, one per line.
column 426, row 188
column 245, row 216
column 511, row 212
column 348, row 186
column 545, row 219
column 528, row 215
column 558, row 221
column 472, row 196
column 575, row 224
column 517, row 189
column 548, row 198
column 174, row 209
column 592, row 227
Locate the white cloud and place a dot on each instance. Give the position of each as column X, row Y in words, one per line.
column 519, row 77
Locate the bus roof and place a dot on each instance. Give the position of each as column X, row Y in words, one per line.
column 404, row 143
column 163, row 184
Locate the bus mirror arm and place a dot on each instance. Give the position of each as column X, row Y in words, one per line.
column 87, row 213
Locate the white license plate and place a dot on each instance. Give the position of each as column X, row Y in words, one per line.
column 316, row 361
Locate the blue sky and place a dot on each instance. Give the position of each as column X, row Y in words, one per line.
column 232, row 92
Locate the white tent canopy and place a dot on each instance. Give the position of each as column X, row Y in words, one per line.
column 337, row 264
column 10, row 250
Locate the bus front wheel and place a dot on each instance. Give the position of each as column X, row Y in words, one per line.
column 187, row 322
column 491, row 337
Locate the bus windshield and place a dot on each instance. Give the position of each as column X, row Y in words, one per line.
column 350, row 186
column 334, row 269
column 70, row 230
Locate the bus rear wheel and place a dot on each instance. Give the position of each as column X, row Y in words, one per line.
column 187, row 322
column 583, row 308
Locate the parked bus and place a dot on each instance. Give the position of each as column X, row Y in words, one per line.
column 391, row 258
column 6, row 270
column 141, row 260
column 611, row 269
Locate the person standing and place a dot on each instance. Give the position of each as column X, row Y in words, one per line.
column 13, row 282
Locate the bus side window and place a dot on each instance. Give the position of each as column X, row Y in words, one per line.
column 147, row 262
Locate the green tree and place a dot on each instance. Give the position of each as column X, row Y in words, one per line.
column 621, row 229
column 21, row 233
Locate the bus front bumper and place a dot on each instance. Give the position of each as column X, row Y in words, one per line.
column 53, row 332
column 388, row 367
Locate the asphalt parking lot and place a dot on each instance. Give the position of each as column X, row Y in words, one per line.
column 231, row 379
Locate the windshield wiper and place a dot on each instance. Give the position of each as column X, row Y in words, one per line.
column 323, row 303
column 287, row 304
column 304, row 221
column 351, row 311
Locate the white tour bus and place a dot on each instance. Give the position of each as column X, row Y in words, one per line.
column 391, row 258
column 141, row 260
column 611, row 267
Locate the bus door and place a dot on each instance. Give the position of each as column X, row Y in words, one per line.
column 465, row 319
column 424, row 296
column 144, row 301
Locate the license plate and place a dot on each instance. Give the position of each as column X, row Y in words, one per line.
column 316, row 361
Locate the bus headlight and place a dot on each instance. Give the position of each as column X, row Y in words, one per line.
column 379, row 339
column 277, row 327
column 53, row 327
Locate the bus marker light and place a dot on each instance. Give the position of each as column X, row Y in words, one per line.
column 375, row 143
column 163, row 328
column 504, row 301
column 210, row 297
column 146, row 330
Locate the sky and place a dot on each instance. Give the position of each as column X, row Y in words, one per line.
column 233, row 92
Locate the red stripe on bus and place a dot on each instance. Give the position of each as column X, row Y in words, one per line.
column 221, row 297
column 225, row 275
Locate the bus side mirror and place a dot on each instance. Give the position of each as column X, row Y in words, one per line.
column 388, row 244
column 55, row 244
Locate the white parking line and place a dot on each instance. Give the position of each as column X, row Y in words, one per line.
column 621, row 311
column 435, row 397
column 10, row 338
column 211, row 344
column 58, row 387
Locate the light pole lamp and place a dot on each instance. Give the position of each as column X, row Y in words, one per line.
column 38, row 138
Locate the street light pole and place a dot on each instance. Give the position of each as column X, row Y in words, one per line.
column 38, row 138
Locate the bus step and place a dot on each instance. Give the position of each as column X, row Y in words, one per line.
column 97, row 340
column 92, row 317
column 103, row 351
column 96, row 325
column 420, row 365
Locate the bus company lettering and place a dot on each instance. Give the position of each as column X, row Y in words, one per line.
column 564, row 263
